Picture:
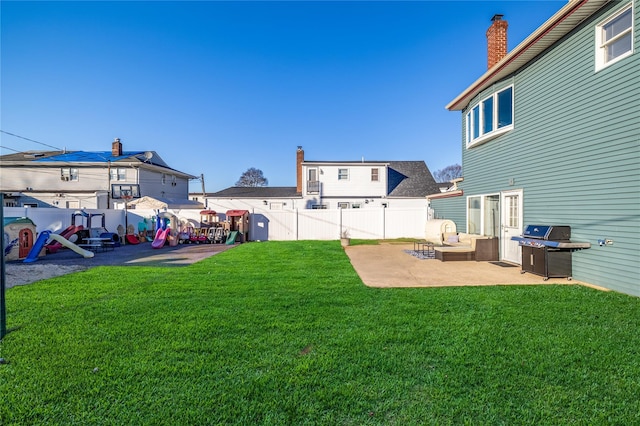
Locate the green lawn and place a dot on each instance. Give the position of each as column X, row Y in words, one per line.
column 286, row 333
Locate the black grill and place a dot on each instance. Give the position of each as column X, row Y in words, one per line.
column 546, row 250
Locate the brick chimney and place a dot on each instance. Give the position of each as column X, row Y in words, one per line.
column 299, row 160
column 116, row 148
column 496, row 40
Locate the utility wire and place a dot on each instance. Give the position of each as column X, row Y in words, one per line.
column 10, row 149
column 30, row 140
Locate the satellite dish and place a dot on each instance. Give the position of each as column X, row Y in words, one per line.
column 148, row 155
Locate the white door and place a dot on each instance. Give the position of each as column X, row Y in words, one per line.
column 511, row 225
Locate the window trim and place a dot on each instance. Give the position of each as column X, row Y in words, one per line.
column 342, row 176
column 600, row 45
column 375, row 174
column 475, row 112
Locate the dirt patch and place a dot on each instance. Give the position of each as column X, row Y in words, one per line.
column 25, row 273
column 66, row 261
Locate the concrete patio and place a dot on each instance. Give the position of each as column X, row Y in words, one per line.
column 388, row 265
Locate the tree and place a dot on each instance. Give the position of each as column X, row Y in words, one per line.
column 448, row 174
column 252, row 177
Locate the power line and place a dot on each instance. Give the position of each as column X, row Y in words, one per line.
column 30, row 140
column 10, row 149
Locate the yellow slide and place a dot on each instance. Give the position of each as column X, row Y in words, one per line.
column 62, row 240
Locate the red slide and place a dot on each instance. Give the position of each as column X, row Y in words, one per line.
column 132, row 239
column 54, row 246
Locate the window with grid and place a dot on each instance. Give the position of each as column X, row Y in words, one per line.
column 343, row 174
column 374, row 175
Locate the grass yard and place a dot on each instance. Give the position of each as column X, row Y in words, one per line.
column 286, row 333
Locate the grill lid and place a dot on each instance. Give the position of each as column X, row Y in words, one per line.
column 547, row 232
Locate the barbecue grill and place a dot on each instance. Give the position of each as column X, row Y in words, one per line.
column 546, row 250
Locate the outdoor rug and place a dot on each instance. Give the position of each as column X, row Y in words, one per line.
column 421, row 254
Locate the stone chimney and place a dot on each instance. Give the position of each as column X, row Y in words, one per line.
column 299, row 160
column 496, row 40
column 116, row 148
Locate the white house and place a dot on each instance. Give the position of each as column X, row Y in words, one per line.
column 335, row 185
column 93, row 180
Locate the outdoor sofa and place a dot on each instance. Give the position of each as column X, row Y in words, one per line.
column 463, row 246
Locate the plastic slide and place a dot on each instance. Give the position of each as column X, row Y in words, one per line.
column 54, row 246
column 161, row 237
column 132, row 239
column 42, row 239
column 82, row 252
column 35, row 250
column 231, row 239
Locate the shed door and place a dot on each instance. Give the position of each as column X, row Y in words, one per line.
column 511, row 225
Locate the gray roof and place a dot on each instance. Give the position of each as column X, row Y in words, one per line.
column 410, row 179
column 256, row 192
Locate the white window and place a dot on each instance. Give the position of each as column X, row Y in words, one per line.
column 614, row 38
column 356, row 205
column 69, row 174
column 163, row 179
column 343, row 205
column 375, row 175
column 313, row 185
column 343, row 174
column 491, row 117
column 118, row 173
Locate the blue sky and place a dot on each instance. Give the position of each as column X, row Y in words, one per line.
column 219, row 87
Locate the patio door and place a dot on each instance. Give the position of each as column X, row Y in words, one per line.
column 511, row 225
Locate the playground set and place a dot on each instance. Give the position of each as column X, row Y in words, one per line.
column 86, row 235
column 208, row 231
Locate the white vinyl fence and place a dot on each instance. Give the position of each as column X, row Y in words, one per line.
column 274, row 225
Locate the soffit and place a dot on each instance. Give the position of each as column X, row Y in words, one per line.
column 559, row 25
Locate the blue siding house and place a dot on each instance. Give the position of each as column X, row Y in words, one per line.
column 551, row 135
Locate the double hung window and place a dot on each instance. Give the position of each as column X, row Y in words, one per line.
column 614, row 38
column 343, row 174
